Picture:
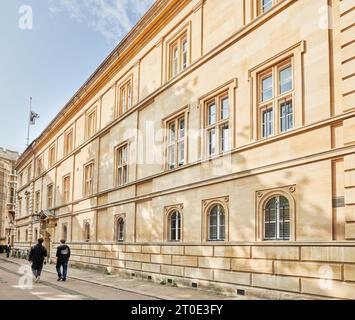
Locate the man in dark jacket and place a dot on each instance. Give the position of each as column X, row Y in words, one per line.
column 37, row 256
column 63, row 255
column 8, row 250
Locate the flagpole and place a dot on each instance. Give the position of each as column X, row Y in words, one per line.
column 29, row 123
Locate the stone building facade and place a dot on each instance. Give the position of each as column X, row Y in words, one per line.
column 7, row 196
column 215, row 147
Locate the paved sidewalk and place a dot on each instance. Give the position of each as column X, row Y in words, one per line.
column 144, row 287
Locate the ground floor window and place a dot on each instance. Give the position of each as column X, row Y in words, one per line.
column 277, row 219
column 87, row 232
column 175, row 226
column 120, row 227
column 216, row 223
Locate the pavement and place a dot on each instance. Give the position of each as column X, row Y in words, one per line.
column 87, row 285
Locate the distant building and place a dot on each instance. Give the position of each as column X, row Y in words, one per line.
column 214, row 147
column 7, row 196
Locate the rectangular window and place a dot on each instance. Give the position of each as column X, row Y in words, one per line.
column 20, row 179
column 68, row 142
column 212, row 142
column 66, row 189
column 267, row 122
column 37, row 201
column 179, row 55
column 88, row 179
column 122, row 165
column 217, row 125
column 285, row 80
column 91, row 124
column 286, row 116
column 267, row 85
column 175, row 60
column 185, row 53
column 125, row 100
column 276, row 112
column 50, row 196
column 51, row 157
column 39, row 166
column 176, row 143
column 266, row 5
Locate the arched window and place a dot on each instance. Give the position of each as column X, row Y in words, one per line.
column 87, row 231
column 216, row 223
column 277, row 219
column 174, row 223
column 120, row 227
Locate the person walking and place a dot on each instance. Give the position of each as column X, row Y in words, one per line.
column 8, row 250
column 63, row 255
column 38, row 255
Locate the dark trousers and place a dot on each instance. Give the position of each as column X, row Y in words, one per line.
column 7, row 254
column 37, row 269
column 62, row 265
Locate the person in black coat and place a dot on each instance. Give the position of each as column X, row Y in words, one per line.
column 38, row 254
column 63, row 255
column 8, row 250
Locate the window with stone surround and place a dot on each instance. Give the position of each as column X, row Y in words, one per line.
column 215, row 218
column 68, row 142
column 275, row 105
column 176, row 139
column 217, row 124
column 176, row 144
column 125, row 96
column 276, row 214
column 66, row 189
column 91, row 123
column 276, row 93
column 37, row 201
column 86, row 231
column 50, row 191
column 88, row 179
column 121, row 161
column 217, row 120
column 178, row 51
column 52, row 155
column 39, row 165
column 120, row 228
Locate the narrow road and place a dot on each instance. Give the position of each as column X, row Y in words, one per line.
column 14, row 285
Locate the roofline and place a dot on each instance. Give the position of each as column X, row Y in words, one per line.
column 131, row 35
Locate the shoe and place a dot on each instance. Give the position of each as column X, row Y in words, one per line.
column 38, row 279
column 64, row 279
column 59, row 279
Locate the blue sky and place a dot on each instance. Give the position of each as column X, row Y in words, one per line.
column 67, row 42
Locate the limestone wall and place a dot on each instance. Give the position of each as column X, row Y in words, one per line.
column 317, row 269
